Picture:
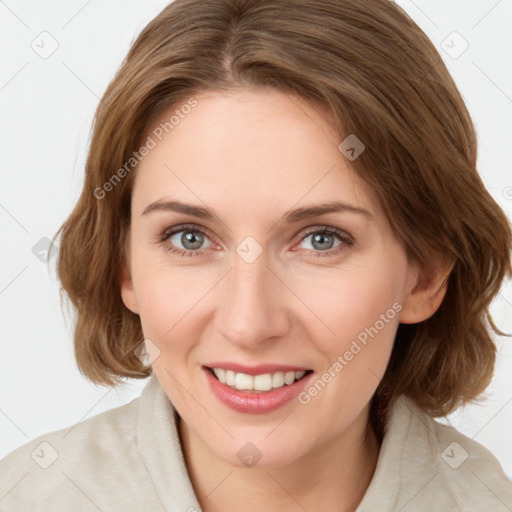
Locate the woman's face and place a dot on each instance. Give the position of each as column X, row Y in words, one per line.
column 243, row 280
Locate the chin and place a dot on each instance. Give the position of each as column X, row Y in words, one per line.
column 261, row 451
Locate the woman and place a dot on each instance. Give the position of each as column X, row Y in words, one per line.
column 283, row 225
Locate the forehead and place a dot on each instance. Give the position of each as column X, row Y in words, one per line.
column 253, row 149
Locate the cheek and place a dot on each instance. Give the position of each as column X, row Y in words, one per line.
column 361, row 310
column 176, row 299
column 168, row 297
column 358, row 302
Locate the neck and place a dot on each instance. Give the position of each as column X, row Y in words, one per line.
column 333, row 477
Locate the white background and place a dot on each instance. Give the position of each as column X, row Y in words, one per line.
column 46, row 111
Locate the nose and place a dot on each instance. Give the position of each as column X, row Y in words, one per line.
column 253, row 305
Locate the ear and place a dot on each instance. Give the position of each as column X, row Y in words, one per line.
column 125, row 278
column 127, row 290
column 426, row 292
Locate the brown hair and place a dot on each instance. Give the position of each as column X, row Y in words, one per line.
column 385, row 82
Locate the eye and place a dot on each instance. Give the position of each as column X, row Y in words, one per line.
column 189, row 240
column 323, row 241
column 185, row 240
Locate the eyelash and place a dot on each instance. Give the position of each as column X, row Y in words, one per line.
column 345, row 238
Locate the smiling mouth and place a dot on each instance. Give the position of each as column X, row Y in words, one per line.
column 257, row 383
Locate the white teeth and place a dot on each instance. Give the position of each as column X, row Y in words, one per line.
column 221, row 375
column 289, row 378
column 263, row 382
column 278, row 380
column 299, row 375
column 230, row 378
column 244, row 381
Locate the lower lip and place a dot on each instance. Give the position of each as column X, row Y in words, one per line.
column 255, row 403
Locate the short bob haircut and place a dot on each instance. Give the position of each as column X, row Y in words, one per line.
column 385, row 82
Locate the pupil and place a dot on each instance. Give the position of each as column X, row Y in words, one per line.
column 191, row 240
column 321, row 238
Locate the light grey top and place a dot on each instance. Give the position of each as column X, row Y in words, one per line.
column 130, row 459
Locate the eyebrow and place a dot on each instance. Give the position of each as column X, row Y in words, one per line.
column 290, row 217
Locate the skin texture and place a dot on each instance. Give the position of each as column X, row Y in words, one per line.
column 250, row 156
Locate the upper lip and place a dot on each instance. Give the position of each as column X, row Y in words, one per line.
column 256, row 369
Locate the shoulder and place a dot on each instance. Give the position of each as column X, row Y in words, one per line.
column 70, row 466
column 425, row 465
column 467, row 469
